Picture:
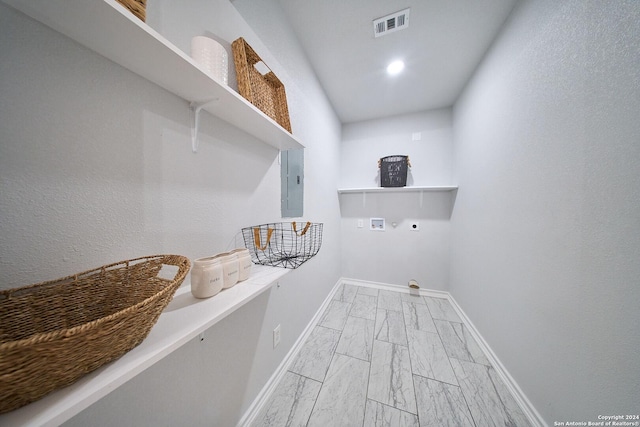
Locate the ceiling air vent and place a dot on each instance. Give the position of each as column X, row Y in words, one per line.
column 390, row 23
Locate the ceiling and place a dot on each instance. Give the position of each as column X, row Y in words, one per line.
column 443, row 45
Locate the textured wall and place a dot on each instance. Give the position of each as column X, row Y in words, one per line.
column 545, row 227
column 96, row 166
column 398, row 254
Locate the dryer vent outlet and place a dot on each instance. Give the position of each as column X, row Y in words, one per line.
column 414, row 288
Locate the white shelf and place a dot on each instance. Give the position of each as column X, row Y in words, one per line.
column 396, row 189
column 181, row 321
column 107, row 28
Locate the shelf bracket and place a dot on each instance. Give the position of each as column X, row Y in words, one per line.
column 195, row 108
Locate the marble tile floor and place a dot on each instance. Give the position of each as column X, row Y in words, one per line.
column 385, row 358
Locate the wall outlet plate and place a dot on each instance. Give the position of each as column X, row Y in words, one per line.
column 376, row 224
column 276, row 336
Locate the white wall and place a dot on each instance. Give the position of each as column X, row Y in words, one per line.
column 398, row 254
column 545, row 242
column 96, row 167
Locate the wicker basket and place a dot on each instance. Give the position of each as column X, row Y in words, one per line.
column 52, row 333
column 137, row 7
column 264, row 91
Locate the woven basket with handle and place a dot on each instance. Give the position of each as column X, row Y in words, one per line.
column 137, row 7
column 266, row 91
column 52, row 333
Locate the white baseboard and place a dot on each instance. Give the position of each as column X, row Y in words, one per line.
column 268, row 389
column 525, row 404
column 396, row 288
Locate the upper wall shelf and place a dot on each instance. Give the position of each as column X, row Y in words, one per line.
column 107, row 28
column 396, row 189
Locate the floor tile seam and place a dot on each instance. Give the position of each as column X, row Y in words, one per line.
column 447, row 320
column 405, row 313
column 501, row 397
column 397, row 409
column 435, row 379
column 390, row 309
column 354, row 357
column 463, row 392
column 333, row 352
column 353, row 305
column 422, row 330
column 342, row 332
column 333, row 329
column 413, row 383
column 471, row 361
column 324, row 313
column 366, row 392
column 464, row 395
column 343, row 300
column 428, row 309
column 361, row 317
column 305, row 377
column 368, row 376
column 315, row 401
column 427, row 304
column 453, row 385
column 447, row 352
column 394, row 343
column 413, row 386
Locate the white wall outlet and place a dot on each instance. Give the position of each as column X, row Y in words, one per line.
column 414, row 226
column 416, row 136
column 360, row 223
column 276, row 336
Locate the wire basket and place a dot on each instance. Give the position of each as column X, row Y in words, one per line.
column 393, row 171
column 283, row 244
column 52, row 333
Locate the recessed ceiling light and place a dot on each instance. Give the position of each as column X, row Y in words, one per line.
column 395, row 67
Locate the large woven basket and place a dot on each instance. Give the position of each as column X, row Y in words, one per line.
column 264, row 91
column 52, row 333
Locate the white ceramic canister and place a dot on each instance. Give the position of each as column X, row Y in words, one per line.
column 230, row 266
column 207, row 277
column 212, row 56
column 244, row 263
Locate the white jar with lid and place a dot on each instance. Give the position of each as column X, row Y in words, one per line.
column 207, row 277
column 244, row 263
column 230, row 266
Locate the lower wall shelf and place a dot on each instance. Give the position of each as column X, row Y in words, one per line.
column 182, row 320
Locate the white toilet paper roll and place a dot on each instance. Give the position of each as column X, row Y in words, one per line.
column 212, row 56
